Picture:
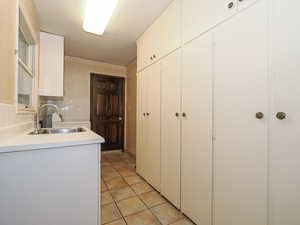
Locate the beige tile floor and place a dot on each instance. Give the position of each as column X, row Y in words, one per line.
column 128, row 200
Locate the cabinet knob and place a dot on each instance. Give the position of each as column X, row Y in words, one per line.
column 230, row 5
column 151, row 58
column 259, row 115
column 184, row 114
column 281, row 115
column 241, row 0
column 148, row 114
column 177, row 114
column 144, row 114
column 154, row 56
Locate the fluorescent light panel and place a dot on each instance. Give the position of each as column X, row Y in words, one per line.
column 97, row 15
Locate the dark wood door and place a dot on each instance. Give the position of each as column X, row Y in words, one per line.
column 107, row 110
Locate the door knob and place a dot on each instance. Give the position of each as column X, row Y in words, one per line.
column 281, row 115
column 230, row 5
column 259, row 115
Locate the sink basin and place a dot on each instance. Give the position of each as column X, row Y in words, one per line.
column 57, row 131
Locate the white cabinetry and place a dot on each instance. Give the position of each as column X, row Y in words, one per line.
column 230, row 106
column 240, row 92
column 171, row 127
column 199, row 16
column 196, row 161
column 284, row 132
column 51, row 65
column 149, row 125
column 161, row 38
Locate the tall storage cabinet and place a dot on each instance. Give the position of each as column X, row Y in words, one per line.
column 149, row 125
column 171, row 126
column 196, row 158
column 229, row 103
column 285, row 117
column 241, row 95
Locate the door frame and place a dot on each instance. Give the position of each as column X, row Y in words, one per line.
column 123, row 80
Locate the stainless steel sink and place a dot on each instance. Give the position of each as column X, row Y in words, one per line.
column 57, row 131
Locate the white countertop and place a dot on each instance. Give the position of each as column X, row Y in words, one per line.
column 21, row 141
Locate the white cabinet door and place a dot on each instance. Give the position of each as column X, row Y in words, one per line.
column 51, row 65
column 240, row 91
column 196, row 161
column 170, row 32
column 152, row 148
column 150, row 141
column 200, row 15
column 150, row 44
column 170, row 127
column 141, row 123
column 285, row 141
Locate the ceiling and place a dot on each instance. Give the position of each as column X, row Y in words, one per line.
column 117, row 46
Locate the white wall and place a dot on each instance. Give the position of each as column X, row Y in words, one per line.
column 77, row 75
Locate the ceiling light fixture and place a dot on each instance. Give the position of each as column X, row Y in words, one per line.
column 97, row 15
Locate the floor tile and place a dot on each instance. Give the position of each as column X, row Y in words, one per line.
column 109, row 213
column 152, row 199
column 119, row 165
column 166, row 213
column 108, row 169
column 106, row 198
column 184, row 221
column 116, row 183
column 133, row 179
column 103, row 186
column 105, row 163
column 130, row 206
column 142, row 218
column 118, row 222
column 141, row 188
column 127, row 172
column 123, row 193
column 110, row 176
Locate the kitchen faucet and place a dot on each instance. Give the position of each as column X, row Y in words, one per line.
column 37, row 116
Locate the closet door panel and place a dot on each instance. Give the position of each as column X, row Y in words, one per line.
column 153, row 156
column 142, row 125
column 285, row 141
column 240, row 91
column 200, row 15
column 196, row 160
column 170, row 127
column 197, row 17
column 170, row 31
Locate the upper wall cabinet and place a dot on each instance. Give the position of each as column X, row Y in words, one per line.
column 162, row 37
column 198, row 16
column 51, row 65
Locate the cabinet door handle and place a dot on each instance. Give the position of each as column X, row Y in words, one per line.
column 230, row 5
column 281, row 115
column 259, row 115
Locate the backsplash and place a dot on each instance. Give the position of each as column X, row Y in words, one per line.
column 9, row 117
